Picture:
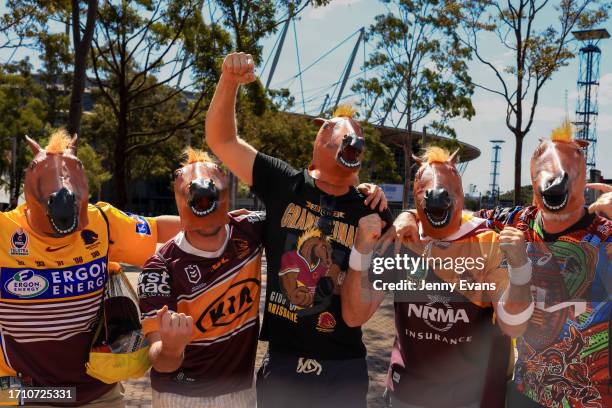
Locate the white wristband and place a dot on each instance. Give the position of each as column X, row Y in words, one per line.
column 358, row 261
column 514, row 319
column 520, row 276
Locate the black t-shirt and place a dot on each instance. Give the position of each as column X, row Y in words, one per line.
column 308, row 239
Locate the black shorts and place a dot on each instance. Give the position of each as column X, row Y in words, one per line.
column 296, row 382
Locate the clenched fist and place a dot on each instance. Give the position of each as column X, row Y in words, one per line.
column 603, row 204
column 370, row 230
column 239, row 68
column 175, row 330
column 512, row 244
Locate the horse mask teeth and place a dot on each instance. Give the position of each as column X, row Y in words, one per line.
column 201, row 193
column 56, row 189
column 338, row 149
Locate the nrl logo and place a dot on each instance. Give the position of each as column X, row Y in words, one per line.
column 193, row 273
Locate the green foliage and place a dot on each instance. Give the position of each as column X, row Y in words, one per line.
column 538, row 49
column 416, row 54
column 526, row 195
column 22, row 110
column 96, row 174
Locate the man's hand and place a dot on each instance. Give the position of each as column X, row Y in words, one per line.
column 404, row 230
column 370, row 230
column 375, row 196
column 512, row 244
column 175, row 331
column 238, row 68
column 603, row 204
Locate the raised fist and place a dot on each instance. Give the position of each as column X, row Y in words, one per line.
column 512, row 244
column 175, row 330
column 603, row 204
column 239, row 68
column 370, row 230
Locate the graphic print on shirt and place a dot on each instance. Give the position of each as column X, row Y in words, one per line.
column 314, row 263
column 563, row 357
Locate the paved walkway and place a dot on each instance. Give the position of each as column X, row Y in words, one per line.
column 378, row 337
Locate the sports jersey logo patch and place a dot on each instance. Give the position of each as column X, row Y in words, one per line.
column 89, row 237
column 438, row 313
column 238, row 300
column 326, row 322
column 19, row 243
column 26, row 284
column 193, row 273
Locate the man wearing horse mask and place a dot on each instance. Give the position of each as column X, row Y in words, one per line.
column 563, row 349
column 314, row 359
column 54, row 251
column 448, row 352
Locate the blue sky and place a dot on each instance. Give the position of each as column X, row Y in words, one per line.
column 320, row 29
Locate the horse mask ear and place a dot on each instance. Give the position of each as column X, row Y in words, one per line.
column 582, row 143
column 72, row 147
column 417, row 160
column 34, row 146
column 454, row 158
column 318, row 121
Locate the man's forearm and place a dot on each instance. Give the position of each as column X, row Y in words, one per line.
column 359, row 300
column 221, row 115
column 167, row 227
column 164, row 361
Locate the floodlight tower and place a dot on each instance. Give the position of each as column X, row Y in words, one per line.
column 588, row 84
column 495, row 160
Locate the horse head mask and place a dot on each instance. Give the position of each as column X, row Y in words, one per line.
column 338, row 149
column 201, row 190
column 438, row 193
column 558, row 174
column 56, row 190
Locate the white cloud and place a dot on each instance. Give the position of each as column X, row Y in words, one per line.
column 605, row 90
column 318, row 13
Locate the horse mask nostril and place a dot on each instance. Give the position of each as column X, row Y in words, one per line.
column 557, row 185
column 203, row 193
column 437, row 198
column 62, row 210
column 353, row 141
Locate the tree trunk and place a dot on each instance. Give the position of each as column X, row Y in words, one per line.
column 81, row 49
column 14, row 181
column 119, row 176
column 518, row 155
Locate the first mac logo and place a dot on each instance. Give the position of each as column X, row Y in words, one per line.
column 26, row 284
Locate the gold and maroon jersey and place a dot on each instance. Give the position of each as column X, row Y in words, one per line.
column 221, row 291
column 448, row 351
column 51, row 290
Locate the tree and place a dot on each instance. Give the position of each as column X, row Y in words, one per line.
column 21, row 111
column 96, row 174
column 421, row 70
column 136, row 41
column 539, row 50
column 81, row 45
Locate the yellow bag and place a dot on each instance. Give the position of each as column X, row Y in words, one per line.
column 111, row 368
column 120, row 350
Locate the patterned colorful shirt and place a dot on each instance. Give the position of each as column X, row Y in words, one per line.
column 564, row 358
